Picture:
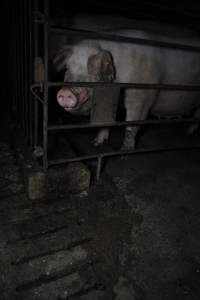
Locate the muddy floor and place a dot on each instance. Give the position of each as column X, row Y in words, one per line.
column 135, row 235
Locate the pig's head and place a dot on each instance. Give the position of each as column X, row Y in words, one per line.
column 82, row 63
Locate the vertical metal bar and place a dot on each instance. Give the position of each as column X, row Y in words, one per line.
column 30, row 69
column 36, row 53
column 14, row 70
column 25, row 69
column 18, row 119
column 99, row 166
column 46, row 87
column 22, row 63
column 15, row 60
column 21, row 67
column 21, row 104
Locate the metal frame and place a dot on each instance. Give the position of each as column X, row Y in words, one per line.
column 29, row 106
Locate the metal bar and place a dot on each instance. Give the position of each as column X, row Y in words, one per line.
column 21, row 68
column 35, row 104
column 18, row 75
column 25, row 70
column 14, row 104
column 99, row 166
column 119, row 38
column 147, row 86
column 15, row 63
column 46, row 87
column 117, row 153
column 30, row 62
column 124, row 123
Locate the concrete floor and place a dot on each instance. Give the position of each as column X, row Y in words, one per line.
column 137, row 231
column 162, row 253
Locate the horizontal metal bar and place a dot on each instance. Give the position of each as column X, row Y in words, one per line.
column 117, row 153
column 75, row 159
column 148, row 86
column 124, row 123
column 119, row 38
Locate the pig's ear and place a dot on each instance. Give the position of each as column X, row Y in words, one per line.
column 60, row 59
column 101, row 66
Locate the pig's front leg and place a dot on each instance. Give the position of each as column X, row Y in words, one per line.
column 137, row 104
column 101, row 137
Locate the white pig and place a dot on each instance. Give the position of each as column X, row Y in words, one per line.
column 108, row 61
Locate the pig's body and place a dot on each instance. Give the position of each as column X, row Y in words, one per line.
column 134, row 63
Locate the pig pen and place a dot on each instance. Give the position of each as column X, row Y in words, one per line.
column 134, row 235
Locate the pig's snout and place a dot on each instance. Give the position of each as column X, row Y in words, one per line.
column 66, row 99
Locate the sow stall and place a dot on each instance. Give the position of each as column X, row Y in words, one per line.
column 33, row 85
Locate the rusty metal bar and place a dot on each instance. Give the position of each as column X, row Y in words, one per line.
column 124, row 123
column 117, row 153
column 147, row 86
column 119, row 38
column 46, row 87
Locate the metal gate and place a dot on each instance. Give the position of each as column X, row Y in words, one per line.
column 30, row 102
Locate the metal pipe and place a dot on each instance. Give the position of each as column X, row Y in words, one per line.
column 35, row 103
column 46, row 87
column 119, row 38
column 30, row 62
column 148, row 86
column 119, row 153
column 99, row 166
column 26, row 70
column 18, row 75
column 14, row 104
column 21, row 59
column 124, row 123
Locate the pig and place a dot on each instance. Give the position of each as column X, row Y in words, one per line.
column 111, row 61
